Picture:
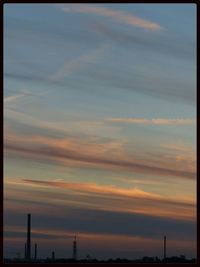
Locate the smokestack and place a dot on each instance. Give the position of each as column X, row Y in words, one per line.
column 74, row 249
column 35, row 252
column 53, row 256
column 25, row 252
column 164, row 248
column 29, row 237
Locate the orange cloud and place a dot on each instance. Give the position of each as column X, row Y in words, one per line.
column 95, row 188
column 12, row 98
column 157, row 121
column 90, row 153
column 119, row 16
column 94, row 196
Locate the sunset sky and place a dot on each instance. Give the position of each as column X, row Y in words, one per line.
column 100, row 129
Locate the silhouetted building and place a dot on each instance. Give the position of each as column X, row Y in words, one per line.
column 35, row 256
column 74, row 249
column 28, row 244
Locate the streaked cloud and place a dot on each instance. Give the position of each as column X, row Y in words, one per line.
column 139, row 181
column 17, row 231
column 90, row 212
column 12, row 98
column 161, row 44
column 79, row 63
column 109, row 190
column 95, row 188
column 89, row 153
column 59, row 128
column 21, row 94
column 157, row 121
column 147, row 80
column 133, row 200
column 181, row 153
column 56, row 155
column 119, row 16
column 124, row 210
column 106, row 243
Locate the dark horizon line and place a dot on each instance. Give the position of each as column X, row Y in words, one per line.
column 145, row 259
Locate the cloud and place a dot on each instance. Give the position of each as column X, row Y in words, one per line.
column 119, row 16
column 164, row 43
column 24, row 77
column 22, row 93
column 79, row 63
column 64, row 195
column 181, row 153
column 89, row 153
column 147, row 79
column 140, row 181
column 90, row 160
column 157, row 121
column 12, row 98
column 95, row 188
column 106, row 245
column 109, row 190
column 83, row 219
column 38, row 233
column 91, row 211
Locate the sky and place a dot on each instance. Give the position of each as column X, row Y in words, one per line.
column 100, row 129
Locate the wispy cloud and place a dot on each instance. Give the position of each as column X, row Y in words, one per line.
column 139, row 181
column 167, row 43
column 181, row 152
column 119, row 16
column 157, row 121
column 12, row 98
column 79, row 63
column 21, row 94
column 86, row 159
column 98, row 197
column 90, row 153
column 95, row 188
column 111, row 190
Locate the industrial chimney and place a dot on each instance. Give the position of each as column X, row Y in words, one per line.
column 35, row 252
column 74, row 249
column 164, row 248
column 53, row 255
column 25, row 252
column 28, row 244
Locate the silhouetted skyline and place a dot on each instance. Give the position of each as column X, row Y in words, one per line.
column 33, row 259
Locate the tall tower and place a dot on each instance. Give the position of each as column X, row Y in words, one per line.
column 25, row 252
column 28, row 244
column 164, row 248
column 74, row 249
column 35, row 252
column 53, row 255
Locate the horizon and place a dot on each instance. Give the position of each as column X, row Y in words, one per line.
column 100, row 129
